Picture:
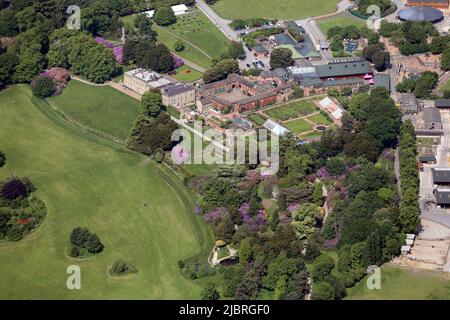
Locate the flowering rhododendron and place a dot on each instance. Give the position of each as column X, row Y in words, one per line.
column 177, row 62
column 118, row 54
column 215, row 215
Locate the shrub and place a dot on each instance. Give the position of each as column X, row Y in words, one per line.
column 165, row 16
column 121, row 268
column 179, row 45
column 84, row 239
column 43, row 87
column 2, row 159
column 14, row 189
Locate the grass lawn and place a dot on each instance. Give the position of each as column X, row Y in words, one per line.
column 282, row 9
column 340, row 21
column 138, row 209
column 256, row 118
column 189, row 53
column 187, row 74
column 311, row 135
column 445, row 87
column 198, row 29
column 292, row 110
column 298, row 126
column 101, row 108
column 319, row 119
column 397, row 283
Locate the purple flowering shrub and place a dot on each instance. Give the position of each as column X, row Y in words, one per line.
column 215, row 215
column 177, row 62
column 117, row 50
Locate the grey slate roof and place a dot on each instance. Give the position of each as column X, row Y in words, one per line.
column 409, row 103
column 382, row 80
column 442, row 103
column 442, row 196
column 173, row 90
column 342, row 69
column 441, row 175
column 420, row 14
column 283, row 38
column 432, row 116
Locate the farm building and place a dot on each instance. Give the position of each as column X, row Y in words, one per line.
column 442, row 103
column 441, row 175
column 442, row 197
column 179, row 9
column 432, row 119
column 409, row 103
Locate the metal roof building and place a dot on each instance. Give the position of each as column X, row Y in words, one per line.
column 441, row 175
column 420, row 14
column 344, row 69
column 442, row 197
column 409, row 103
column 442, row 103
column 432, row 119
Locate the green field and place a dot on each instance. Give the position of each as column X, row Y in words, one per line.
column 140, row 211
column 196, row 28
column 319, row 119
column 298, row 126
column 405, row 284
column 445, row 87
column 257, row 119
column 283, row 9
column 292, row 110
column 189, row 53
column 340, row 21
column 187, row 74
column 101, row 108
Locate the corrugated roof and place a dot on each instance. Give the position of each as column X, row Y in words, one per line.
column 442, row 103
column 441, row 175
column 442, row 196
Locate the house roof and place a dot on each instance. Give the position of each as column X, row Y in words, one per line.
column 442, row 103
column 173, row 90
column 441, row 175
column 427, row 158
column 420, row 14
column 341, row 69
column 283, row 39
column 179, row 7
column 442, row 196
column 151, row 78
column 382, row 80
column 432, row 114
column 409, row 103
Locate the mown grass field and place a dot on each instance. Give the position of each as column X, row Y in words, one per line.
column 404, row 284
column 189, row 53
column 445, row 87
column 292, row 110
column 282, row 9
column 199, row 30
column 101, row 108
column 319, row 119
column 187, row 74
column 340, row 21
column 140, row 211
column 298, row 126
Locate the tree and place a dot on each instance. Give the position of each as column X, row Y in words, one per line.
column 322, row 267
column 439, row 44
column 14, row 189
column 2, row 159
column 410, row 218
column 323, row 291
column 8, row 63
column 221, row 70
column 144, row 25
column 151, row 104
column 100, row 64
column 158, row 58
column 165, row 16
column 281, row 58
column 83, row 238
column 244, row 252
column 336, row 43
column 8, row 23
column 210, row 292
column 179, row 45
column 236, row 50
column 43, row 87
column 445, row 59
